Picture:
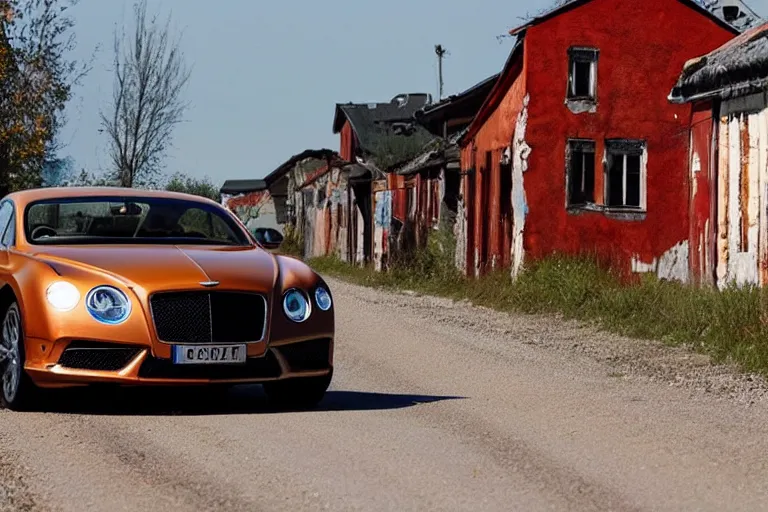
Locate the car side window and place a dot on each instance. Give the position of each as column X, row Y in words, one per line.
column 204, row 223
column 6, row 228
column 9, row 238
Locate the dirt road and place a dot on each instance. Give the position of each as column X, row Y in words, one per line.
column 434, row 406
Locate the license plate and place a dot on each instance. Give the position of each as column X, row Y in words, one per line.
column 209, row 354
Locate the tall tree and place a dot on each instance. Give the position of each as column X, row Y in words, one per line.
column 150, row 75
column 36, row 81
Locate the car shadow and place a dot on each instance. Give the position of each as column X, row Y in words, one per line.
column 247, row 399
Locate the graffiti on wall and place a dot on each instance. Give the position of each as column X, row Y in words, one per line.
column 254, row 209
column 325, row 214
column 382, row 219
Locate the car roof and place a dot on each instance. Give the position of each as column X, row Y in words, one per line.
column 23, row 197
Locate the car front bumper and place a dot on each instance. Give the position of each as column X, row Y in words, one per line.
column 74, row 364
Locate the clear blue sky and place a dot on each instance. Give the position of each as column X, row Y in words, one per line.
column 266, row 75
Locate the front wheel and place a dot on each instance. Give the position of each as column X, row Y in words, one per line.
column 16, row 388
column 299, row 392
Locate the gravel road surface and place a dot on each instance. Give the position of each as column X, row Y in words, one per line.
column 435, row 405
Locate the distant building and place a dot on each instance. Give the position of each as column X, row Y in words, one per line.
column 380, row 137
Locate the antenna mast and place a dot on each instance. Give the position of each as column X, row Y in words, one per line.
column 440, row 52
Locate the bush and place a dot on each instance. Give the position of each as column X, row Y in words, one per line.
column 293, row 242
column 202, row 187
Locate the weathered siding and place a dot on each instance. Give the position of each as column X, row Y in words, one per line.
column 702, row 178
column 255, row 209
column 491, row 211
column 325, row 214
column 382, row 218
column 742, row 195
column 347, row 142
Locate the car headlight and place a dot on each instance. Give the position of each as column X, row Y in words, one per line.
column 62, row 295
column 322, row 298
column 296, row 305
column 108, row 305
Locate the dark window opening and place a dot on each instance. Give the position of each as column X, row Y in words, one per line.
column 581, row 172
column 624, row 182
column 582, row 73
column 582, row 83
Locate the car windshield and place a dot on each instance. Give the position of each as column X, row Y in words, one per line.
column 129, row 220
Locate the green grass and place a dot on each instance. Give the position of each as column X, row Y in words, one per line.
column 729, row 325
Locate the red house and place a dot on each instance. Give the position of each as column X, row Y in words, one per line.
column 577, row 149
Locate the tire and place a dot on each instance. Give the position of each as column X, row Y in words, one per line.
column 297, row 393
column 17, row 391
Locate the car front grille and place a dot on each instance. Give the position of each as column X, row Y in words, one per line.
column 208, row 316
column 89, row 355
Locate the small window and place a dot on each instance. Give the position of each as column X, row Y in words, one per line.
column 580, row 159
column 625, row 169
column 582, row 74
column 9, row 238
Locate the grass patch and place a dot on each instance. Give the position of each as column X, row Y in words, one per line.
column 729, row 325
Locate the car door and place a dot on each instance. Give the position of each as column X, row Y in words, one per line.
column 7, row 239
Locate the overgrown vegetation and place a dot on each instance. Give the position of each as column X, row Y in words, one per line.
column 293, row 242
column 729, row 325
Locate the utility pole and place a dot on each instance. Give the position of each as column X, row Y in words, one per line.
column 440, row 52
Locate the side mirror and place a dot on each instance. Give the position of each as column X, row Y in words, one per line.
column 269, row 238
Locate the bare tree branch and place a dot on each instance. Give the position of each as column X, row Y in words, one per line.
column 150, row 76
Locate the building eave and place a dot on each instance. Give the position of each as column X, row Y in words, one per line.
column 497, row 92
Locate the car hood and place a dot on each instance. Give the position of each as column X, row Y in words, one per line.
column 169, row 267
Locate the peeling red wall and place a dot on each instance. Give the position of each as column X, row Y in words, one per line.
column 488, row 224
column 703, row 220
column 643, row 47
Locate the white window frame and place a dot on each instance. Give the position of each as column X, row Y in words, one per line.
column 641, row 150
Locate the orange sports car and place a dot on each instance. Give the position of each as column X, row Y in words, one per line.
column 134, row 287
